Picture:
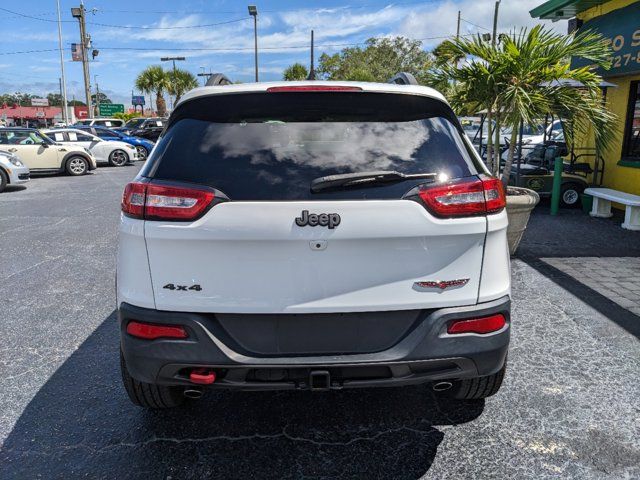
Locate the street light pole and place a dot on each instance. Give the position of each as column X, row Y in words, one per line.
column 95, row 79
column 253, row 11
column 173, row 60
column 63, row 82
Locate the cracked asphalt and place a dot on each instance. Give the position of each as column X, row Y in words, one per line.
column 569, row 407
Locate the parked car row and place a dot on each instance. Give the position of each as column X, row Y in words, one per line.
column 73, row 150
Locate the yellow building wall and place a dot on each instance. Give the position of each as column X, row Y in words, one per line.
column 626, row 179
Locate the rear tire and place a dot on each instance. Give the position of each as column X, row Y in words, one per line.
column 480, row 387
column 142, row 153
column 148, row 395
column 118, row 158
column 77, row 166
column 570, row 196
column 3, row 180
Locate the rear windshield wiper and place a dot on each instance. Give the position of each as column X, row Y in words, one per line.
column 363, row 178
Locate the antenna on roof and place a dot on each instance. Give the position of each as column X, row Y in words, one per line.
column 312, row 71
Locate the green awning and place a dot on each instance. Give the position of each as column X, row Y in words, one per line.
column 563, row 9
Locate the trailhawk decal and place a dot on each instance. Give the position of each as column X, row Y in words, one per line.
column 441, row 284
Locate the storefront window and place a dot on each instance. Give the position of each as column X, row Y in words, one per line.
column 631, row 145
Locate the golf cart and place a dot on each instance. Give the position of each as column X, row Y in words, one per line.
column 538, row 171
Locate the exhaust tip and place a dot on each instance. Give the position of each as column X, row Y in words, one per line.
column 441, row 386
column 193, row 393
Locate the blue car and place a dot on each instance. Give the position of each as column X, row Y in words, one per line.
column 143, row 146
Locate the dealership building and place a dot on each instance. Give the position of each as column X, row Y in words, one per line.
column 619, row 22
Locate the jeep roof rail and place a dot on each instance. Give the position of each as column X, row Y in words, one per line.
column 403, row 78
column 218, row 79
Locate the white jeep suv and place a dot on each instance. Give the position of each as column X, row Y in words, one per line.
column 312, row 235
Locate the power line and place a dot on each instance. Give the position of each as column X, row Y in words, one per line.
column 384, row 4
column 166, row 28
column 29, row 51
column 124, row 26
column 474, row 24
column 24, row 15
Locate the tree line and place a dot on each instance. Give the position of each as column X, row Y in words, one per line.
column 55, row 99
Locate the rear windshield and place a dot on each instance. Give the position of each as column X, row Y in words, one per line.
column 271, row 146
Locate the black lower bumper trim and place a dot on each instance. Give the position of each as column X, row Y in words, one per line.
column 425, row 353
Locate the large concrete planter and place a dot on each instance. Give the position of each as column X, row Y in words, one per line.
column 520, row 202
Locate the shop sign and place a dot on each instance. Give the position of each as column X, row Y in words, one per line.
column 137, row 100
column 39, row 102
column 621, row 28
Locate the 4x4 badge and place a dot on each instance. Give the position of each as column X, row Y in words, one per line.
column 442, row 284
column 331, row 220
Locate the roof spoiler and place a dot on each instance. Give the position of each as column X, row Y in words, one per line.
column 403, row 78
column 218, row 79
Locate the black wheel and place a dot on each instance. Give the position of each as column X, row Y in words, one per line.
column 148, row 395
column 570, row 196
column 477, row 388
column 3, row 180
column 142, row 153
column 118, row 158
column 76, row 166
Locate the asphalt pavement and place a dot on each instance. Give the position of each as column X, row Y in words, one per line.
column 569, row 407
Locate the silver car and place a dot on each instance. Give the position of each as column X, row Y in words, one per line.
column 12, row 170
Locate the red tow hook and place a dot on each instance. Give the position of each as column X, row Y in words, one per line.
column 202, row 376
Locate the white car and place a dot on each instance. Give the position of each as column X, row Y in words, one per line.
column 314, row 236
column 12, row 170
column 101, row 122
column 116, row 154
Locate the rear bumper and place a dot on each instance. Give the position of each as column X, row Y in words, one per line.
column 426, row 353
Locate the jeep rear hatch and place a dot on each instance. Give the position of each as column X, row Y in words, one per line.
column 265, row 241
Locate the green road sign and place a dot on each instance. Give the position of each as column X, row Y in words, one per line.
column 108, row 109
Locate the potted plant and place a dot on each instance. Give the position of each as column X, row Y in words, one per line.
column 520, row 79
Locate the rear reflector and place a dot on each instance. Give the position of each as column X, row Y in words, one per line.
column 150, row 331
column 314, row 88
column 149, row 201
column 478, row 325
column 478, row 196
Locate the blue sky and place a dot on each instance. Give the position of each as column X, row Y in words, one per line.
column 218, row 35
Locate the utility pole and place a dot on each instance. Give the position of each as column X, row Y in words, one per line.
column 79, row 13
column 458, row 27
column 312, row 70
column 63, row 82
column 253, row 11
column 495, row 23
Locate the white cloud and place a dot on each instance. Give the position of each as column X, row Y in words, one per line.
column 439, row 20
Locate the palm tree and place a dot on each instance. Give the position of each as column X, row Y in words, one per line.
column 296, row 71
column 522, row 79
column 180, row 82
column 154, row 79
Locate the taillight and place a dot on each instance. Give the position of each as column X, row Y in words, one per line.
column 464, row 198
column 314, row 88
column 150, row 201
column 152, row 331
column 482, row 325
